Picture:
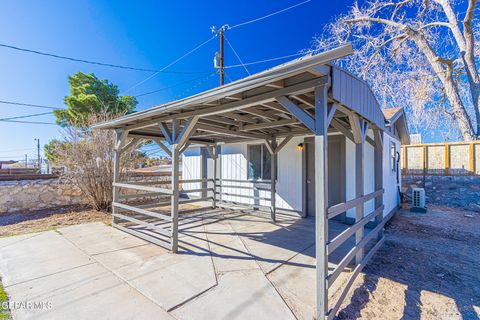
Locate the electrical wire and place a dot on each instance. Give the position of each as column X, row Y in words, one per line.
column 172, row 63
column 29, row 105
column 172, row 86
column 195, row 86
column 95, row 62
column 26, row 116
column 236, row 54
column 268, row 15
column 264, row 61
column 29, row 122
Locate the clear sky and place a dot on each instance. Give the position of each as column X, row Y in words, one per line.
column 144, row 34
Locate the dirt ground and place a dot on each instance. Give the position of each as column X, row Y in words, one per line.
column 41, row 220
column 428, row 268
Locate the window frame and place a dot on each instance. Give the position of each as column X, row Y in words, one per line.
column 393, row 156
column 263, row 149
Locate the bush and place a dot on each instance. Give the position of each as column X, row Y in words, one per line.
column 88, row 155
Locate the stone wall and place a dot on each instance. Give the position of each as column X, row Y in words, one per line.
column 26, row 195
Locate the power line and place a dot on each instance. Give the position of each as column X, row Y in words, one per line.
column 26, row 116
column 29, row 105
column 268, row 15
column 29, row 122
column 236, row 54
column 95, row 62
column 266, row 60
column 172, row 63
column 172, row 86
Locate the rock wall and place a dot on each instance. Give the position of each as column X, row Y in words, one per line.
column 26, row 195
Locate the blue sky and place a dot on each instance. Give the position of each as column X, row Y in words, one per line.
column 146, row 34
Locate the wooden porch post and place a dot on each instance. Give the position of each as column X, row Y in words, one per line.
column 273, row 183
column 215, row 169
column 175, row 196
column 321, row 195
column 120, row 140
column 378, row 163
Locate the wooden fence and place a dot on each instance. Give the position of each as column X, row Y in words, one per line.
column 454, row 158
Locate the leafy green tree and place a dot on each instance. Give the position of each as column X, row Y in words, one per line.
column 90, row 95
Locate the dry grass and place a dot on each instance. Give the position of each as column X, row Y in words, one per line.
column 42, row 220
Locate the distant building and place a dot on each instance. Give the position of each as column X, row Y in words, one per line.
column 7, row 164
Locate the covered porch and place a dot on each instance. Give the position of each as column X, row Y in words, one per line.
column 304, row 98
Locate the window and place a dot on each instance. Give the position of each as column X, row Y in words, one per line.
column 259, row 162
column 393, row 156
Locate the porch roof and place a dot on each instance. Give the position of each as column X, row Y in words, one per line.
column 260, row 106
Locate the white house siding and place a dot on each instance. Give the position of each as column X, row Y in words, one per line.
column 390, row 197
column 192, row 169
column 369, row 175
column 234, row 165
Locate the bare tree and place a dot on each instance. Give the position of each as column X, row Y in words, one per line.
column 88, row 156
column 420, row 54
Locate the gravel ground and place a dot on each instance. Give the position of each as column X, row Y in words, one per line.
column 428, row 268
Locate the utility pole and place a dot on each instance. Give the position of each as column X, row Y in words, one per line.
column 221, row 65
column 26, row 161
column 39, row 161
column 218, row 61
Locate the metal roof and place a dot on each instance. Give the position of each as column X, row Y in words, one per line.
column 249, row 107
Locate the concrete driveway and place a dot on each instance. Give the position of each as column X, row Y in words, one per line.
column 230, row 265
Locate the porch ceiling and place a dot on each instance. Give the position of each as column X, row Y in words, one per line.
column 249, row 109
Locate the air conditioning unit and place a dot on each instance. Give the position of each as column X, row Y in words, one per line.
column 418, row 200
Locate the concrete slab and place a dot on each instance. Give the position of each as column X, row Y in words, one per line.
column 239, row 295
column 10, row 240
column 96, row 238
column 39, row 256
column 166, row 278
column 88, row 292
column 227, row 250
column 273, row 244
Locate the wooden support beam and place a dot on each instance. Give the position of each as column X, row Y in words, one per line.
column 297, row 112
column 355, row 124
column 276, row 84
column 270, row 146
column 133, row 142
column 229, row 132
column 174, row 197
column 273, row 178
column 378, row 175
column 272, row 124
column 321, row 202
column 215, row 169
column 163, row 147
column 186, row 132
column 283, row 143
column 166, row 132
column 121, row 136
column 340, row 127
column 332, row 108
column 235, row 97
column 359, row 192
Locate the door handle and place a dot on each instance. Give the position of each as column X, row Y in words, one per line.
column 308, row 180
